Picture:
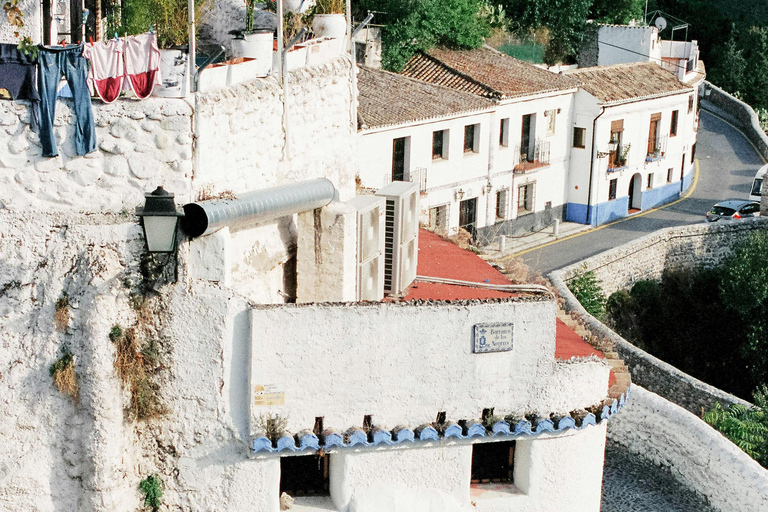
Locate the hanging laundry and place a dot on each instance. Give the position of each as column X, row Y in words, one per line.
column 17, row 73
column 107, row 72
column 142, row 63
column 68, row 61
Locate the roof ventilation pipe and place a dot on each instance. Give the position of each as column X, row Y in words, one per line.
column 257, row 207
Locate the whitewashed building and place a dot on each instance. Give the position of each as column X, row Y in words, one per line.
column 502, row 171
column 606, row 45
column 634, row 136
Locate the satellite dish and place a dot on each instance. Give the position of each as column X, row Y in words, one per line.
column 660, row 23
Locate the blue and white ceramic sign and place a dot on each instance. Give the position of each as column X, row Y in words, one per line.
column 493, row 337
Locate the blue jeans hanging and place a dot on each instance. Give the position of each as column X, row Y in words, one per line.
column 67, row 61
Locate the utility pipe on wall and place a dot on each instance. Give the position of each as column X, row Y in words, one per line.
column 259, row 206
column 592, row 168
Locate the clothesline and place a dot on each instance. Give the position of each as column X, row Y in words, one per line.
column 106, row 69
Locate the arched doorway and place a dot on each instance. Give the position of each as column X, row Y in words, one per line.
column 635, row 194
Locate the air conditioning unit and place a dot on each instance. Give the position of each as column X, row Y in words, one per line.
column 400, row 235
column 370, row 246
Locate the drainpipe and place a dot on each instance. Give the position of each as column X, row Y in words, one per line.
column 592, row 168
column 260, row 206
column 192, row 49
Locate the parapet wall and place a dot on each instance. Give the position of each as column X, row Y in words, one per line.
column 646, row 258
column 235, row 139
column 694, row 452
column 140, row 144
column 244, row 142
column 653, row 426
column 741, row 113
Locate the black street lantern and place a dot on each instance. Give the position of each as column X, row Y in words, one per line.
column 160, row 220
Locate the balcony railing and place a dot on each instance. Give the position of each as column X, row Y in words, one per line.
column 618, row 159
column 532, row 157
column 656, row 149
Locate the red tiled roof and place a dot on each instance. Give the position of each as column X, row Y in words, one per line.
column 439, row 258
column 628, row 82
column 387, row 99
column 485, row 72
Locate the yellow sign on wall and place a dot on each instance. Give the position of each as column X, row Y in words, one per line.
column 267, row 394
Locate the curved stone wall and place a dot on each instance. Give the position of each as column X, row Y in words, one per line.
column 666, row 429
column 694, row 452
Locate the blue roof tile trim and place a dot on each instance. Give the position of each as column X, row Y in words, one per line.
column 404, row 434
column 427, row 434
column 305, row 440
column 501, row 429
column 453, row 431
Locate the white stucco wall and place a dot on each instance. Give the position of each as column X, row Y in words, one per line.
column 636, row 117
column 32, row 23
column 240, row 142
column 416, row 359
column 549, row 181
column 140, row 145
column 471, row 172
column 624, row 43
column 693, row 451
column 58, row 453
column 402, row 480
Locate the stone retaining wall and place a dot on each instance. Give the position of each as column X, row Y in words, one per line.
column 646, row 258
column 666, row 429
column 140, row 144
column 672, row 248
column 695, row 453
column 741, row 112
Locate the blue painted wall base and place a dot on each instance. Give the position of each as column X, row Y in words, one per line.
column 618, row 208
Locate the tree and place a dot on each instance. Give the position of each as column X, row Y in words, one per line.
column 619, row 12
column 728, row 65
column 412, row 25
column 565, row 20
column 746, row 427
column 744, row 292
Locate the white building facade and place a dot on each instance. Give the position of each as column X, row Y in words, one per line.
column 497, row 170
column 634, row 136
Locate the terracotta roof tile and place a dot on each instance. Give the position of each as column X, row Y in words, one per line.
column 388, row 99
column 485, row 72
column 629, row 82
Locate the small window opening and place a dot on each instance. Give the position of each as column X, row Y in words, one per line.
column 305, row 475
column 493, row 462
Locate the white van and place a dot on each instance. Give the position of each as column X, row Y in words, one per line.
column 754, row 194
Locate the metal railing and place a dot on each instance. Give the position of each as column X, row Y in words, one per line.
column 618, row 159
column 656, row 149
column 530, row 157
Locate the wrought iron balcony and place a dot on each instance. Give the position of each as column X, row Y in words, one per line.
column 657, row 148
column 532, row 157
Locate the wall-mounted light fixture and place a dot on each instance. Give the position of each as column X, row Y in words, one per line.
column 459, row 194
column 160, row 221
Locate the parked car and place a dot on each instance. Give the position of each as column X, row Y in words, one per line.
column 732, row 209
column 757, row 184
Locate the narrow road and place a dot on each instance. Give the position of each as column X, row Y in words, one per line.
column 727, row 164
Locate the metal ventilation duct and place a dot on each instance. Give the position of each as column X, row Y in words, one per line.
column 260, row 206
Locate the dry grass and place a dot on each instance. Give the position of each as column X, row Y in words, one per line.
column 134, row 370
column 207, row 193
column 273, row 426
column 61, row 314
column 64, row 377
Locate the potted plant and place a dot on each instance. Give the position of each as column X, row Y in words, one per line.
column 328, row 18
column 253, row 43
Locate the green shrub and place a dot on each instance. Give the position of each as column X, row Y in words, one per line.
column 746, row 427
column 586, row 289
column 152, row 489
